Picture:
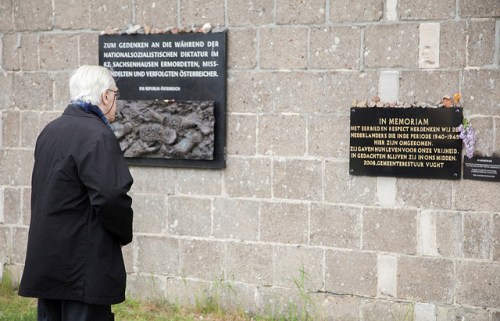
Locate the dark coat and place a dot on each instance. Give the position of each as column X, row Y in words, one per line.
column 81, row 214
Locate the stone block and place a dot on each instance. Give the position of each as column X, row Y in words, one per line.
column 391, row 10
column 341, row 308
column 351, row 273
column 478, row 240
column 33, row 15
column 26, row 206
column 275, row 303
column 61, row 90
column 236, row 219
column 481, row 91
column 359, row 11
column 425, row 312
column 428, row 86
column 300, row 92
column 128, row 257
column 399, row 47
column 335, row 48
column 447, row 313
column 496, row 237
column 29, row 128
column 248, row 177
column 429, row 45
column 283, row 48
column 386, row 191
column 425, row 279
column 484, row 130
column 335, row 226
column 481, row 43
column 147, row 287
column 250, row 263
column 298, row 179
column 233, row 296
column 29, row 85
column 289, row 12
column 340, row 187
column 154, row 13
column 6, row 17
column 16, row 167
column 298, row 267
column 153, row 180
column 486, row 8
column 189, row 216
column 201, row 11
column 436, row 194
column 452, row 44
column 71, row 14
column 496, row 138
column 477, row 284
column 276, row 132
column 7, row 89
column 328, row 136
column 88, row 48
column 284, row 223
column 390, row 230
column 11, row 44
column 110, row 12
column 195, row 182
column 20, row 241
column 11, row 128
column 449, row 233
column 29, row 52
column 242, row 134
column 15, row 271
column 150, row 213
column 343, row 87
column 251, row 92
column 209, row 255
column 250, row 13
column 47, row 117
column 5, row 245
column 387, row 271
column 158, row 255
column 425, row 10
column 242, row 51
column 388, row 85
column 61, row 46
column 185, row 292
column 427, row 233
column 11, row 205
column 472, row 195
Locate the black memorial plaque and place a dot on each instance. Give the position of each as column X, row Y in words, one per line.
column 405, row 142
column 178, row 67
column 482, row 168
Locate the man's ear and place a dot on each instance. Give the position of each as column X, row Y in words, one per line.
column 104, row 97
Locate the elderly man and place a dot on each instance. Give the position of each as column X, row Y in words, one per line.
column 81, row 213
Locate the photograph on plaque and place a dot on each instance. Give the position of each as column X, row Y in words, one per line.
column 405, row 142
column 172, row 106
column 165, row 129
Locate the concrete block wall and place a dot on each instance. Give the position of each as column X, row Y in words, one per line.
column 285, row 214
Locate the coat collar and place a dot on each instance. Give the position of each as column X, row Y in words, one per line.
column 75, row 110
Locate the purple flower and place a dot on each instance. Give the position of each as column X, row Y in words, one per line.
column 468, row 137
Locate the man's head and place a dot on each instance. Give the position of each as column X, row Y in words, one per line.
column 95, row 85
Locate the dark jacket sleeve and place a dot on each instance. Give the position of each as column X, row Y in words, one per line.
column 103, row 170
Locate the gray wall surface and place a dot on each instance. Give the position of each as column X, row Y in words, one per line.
column 285, row 211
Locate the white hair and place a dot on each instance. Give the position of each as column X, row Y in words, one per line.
column 87, row 83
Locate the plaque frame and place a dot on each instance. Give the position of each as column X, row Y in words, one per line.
column 379, row 142
column 186, row 88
